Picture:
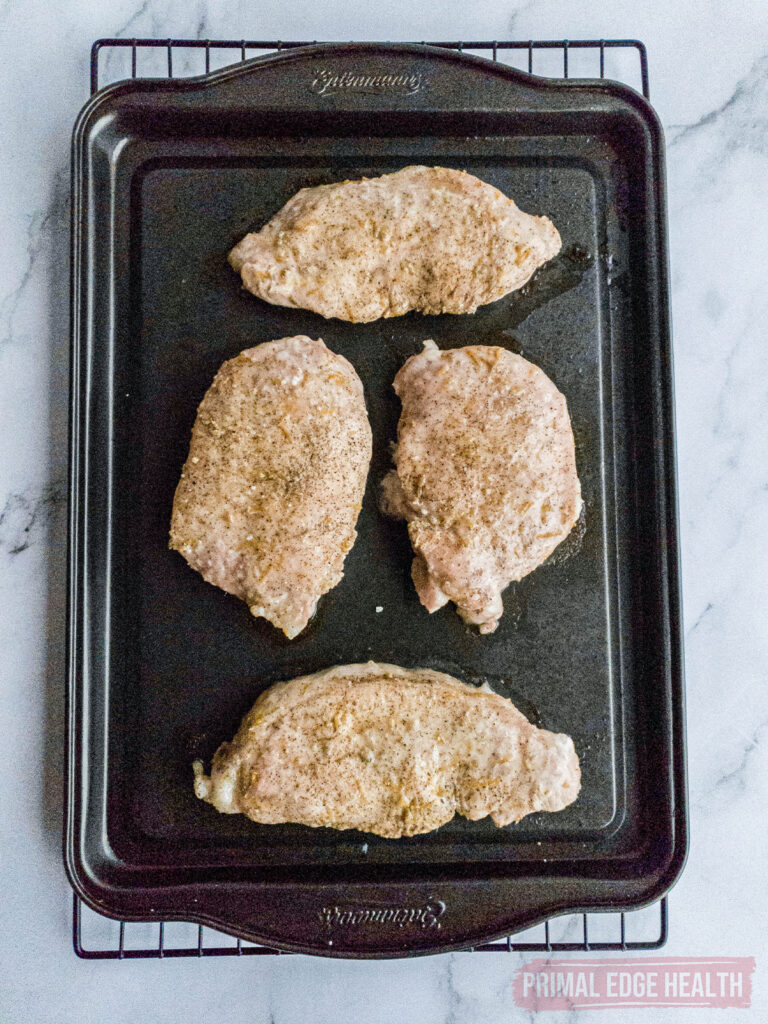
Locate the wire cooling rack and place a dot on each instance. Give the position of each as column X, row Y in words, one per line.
column 95, row 937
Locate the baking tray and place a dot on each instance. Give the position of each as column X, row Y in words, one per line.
column 167, row 175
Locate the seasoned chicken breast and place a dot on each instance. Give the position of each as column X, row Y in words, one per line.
column 270, row 493
column 485, row 477
column 388, row 750
column 425, row 238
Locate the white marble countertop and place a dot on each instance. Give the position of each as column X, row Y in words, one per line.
column 709, row 83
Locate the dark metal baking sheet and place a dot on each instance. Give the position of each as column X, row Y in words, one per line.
column 167, row 175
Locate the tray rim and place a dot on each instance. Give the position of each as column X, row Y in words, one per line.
column 194, row 83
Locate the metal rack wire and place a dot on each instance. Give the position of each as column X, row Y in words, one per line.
column 497, row 49
column 120, row 948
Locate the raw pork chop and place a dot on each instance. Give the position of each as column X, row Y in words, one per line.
column 388, row 750
column 424, row 238
column 486, row 474
column 270, row 493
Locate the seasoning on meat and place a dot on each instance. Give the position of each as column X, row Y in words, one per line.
column 270, row 493
column 388, row 750
column 485, row 474
column 425, row 238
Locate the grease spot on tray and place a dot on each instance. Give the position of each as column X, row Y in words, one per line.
column 555, row 278
column 571, row 545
